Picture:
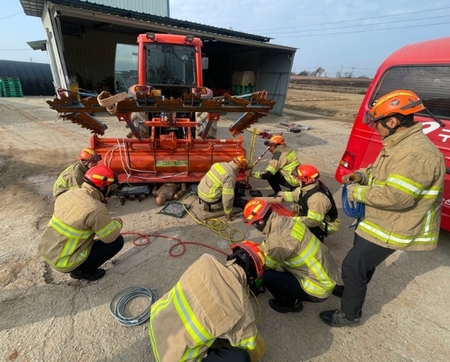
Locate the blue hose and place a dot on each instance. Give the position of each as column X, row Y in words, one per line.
column 352, row 209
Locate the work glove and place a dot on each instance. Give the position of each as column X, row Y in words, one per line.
column 350, row 189
column 259, row 351
column 355, row 177
column 229, row 217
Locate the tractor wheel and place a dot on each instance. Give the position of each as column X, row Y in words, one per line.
column 202, row 120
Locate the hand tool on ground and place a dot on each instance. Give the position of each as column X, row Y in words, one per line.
column 295, row 128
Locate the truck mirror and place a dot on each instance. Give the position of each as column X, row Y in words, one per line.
column 205, row 63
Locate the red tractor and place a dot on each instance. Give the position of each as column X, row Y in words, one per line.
column 160, row 96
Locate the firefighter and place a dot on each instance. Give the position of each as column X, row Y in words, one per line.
column 72, row 176
column 316, row 206
column 68, row 243
column 402, row 197
column 219, row 184
column 210, row 304
column 298, row 266
column 279, row 171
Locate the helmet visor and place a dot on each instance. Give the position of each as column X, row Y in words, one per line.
column 95, row 158
column 369, row 120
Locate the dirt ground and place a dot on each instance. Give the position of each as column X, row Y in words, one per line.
column 47, row 316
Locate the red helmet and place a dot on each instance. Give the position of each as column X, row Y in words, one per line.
column 100, row 176
column 241, row 162
column 275, row 141
column 402, row 102
column 254, row 251
column 255, row 210
column 88, row 154
column 307, row 174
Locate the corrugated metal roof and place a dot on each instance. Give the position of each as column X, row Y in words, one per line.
column 35, row 8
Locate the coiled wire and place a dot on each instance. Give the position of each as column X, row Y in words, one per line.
column 352, row 209
column 118, row 304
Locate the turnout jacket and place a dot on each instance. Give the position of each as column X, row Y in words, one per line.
column 402, row 193
column 284, row 160
column 209, row 301
column 316, row 210
column 79, row 216
column 70, row 178
column 218, row 183
column 290, row 245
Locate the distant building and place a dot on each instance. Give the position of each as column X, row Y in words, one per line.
column 35, row 78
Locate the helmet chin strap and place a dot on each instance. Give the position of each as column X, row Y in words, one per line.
column 383, row 122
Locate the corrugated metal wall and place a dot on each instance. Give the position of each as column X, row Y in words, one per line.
column 153, row 7
column 91, row 57
column 35, row 78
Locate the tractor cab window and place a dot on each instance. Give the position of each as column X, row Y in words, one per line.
column 169, row 64
column 126, row 67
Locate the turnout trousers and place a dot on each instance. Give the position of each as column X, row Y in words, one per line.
column 357, row 271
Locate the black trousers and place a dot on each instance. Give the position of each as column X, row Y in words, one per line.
column 277, row 180
column 357, row 271
column 286, row 288
column 100, row 253
column 231, row 354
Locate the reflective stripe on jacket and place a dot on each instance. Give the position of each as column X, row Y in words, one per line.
column 79, row 215
column 284, row 160
column 291, row 246
column 218, row 183
column 209, row 301
column 402, row 193
column 318, row 208
column 70, row 178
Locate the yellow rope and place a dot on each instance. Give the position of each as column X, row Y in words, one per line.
column 220, row 227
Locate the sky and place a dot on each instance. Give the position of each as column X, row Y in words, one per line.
column 340, row 36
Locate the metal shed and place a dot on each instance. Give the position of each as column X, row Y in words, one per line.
column 82, row 36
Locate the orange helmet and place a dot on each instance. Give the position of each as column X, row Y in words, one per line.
column 100, row 176
column 275, row 141
column 255, row 210
column 88, row 154
column 402, row 102
column 254, row 251
column 307, row 174
column 241, row 162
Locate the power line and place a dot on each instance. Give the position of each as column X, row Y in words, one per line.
column 359, row 31
column 10, row 16
column 371, row 18
column 374, row 24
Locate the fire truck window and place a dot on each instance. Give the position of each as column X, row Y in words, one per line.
column 430, row 83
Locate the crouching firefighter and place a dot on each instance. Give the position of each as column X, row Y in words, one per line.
column 207, row 316
column 219, row 184
column 316, row 206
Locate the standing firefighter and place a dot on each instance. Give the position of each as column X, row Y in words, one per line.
column 279, row 171
column 72, row 176
column 210, row 302
column 68, row 243
column 402, row 194
column 219, row 184
column 316, row 206
column 309, row 272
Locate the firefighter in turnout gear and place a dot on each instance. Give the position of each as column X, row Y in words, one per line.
column 68, row 244
column 298, row 266
column 402, row 196
column 279, row 171
column 316, row 206
column 207, row 316
column 72, row 176
column 219, row 184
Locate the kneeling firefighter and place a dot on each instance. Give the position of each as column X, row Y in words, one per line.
column 316, row 206
column 207, row 316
